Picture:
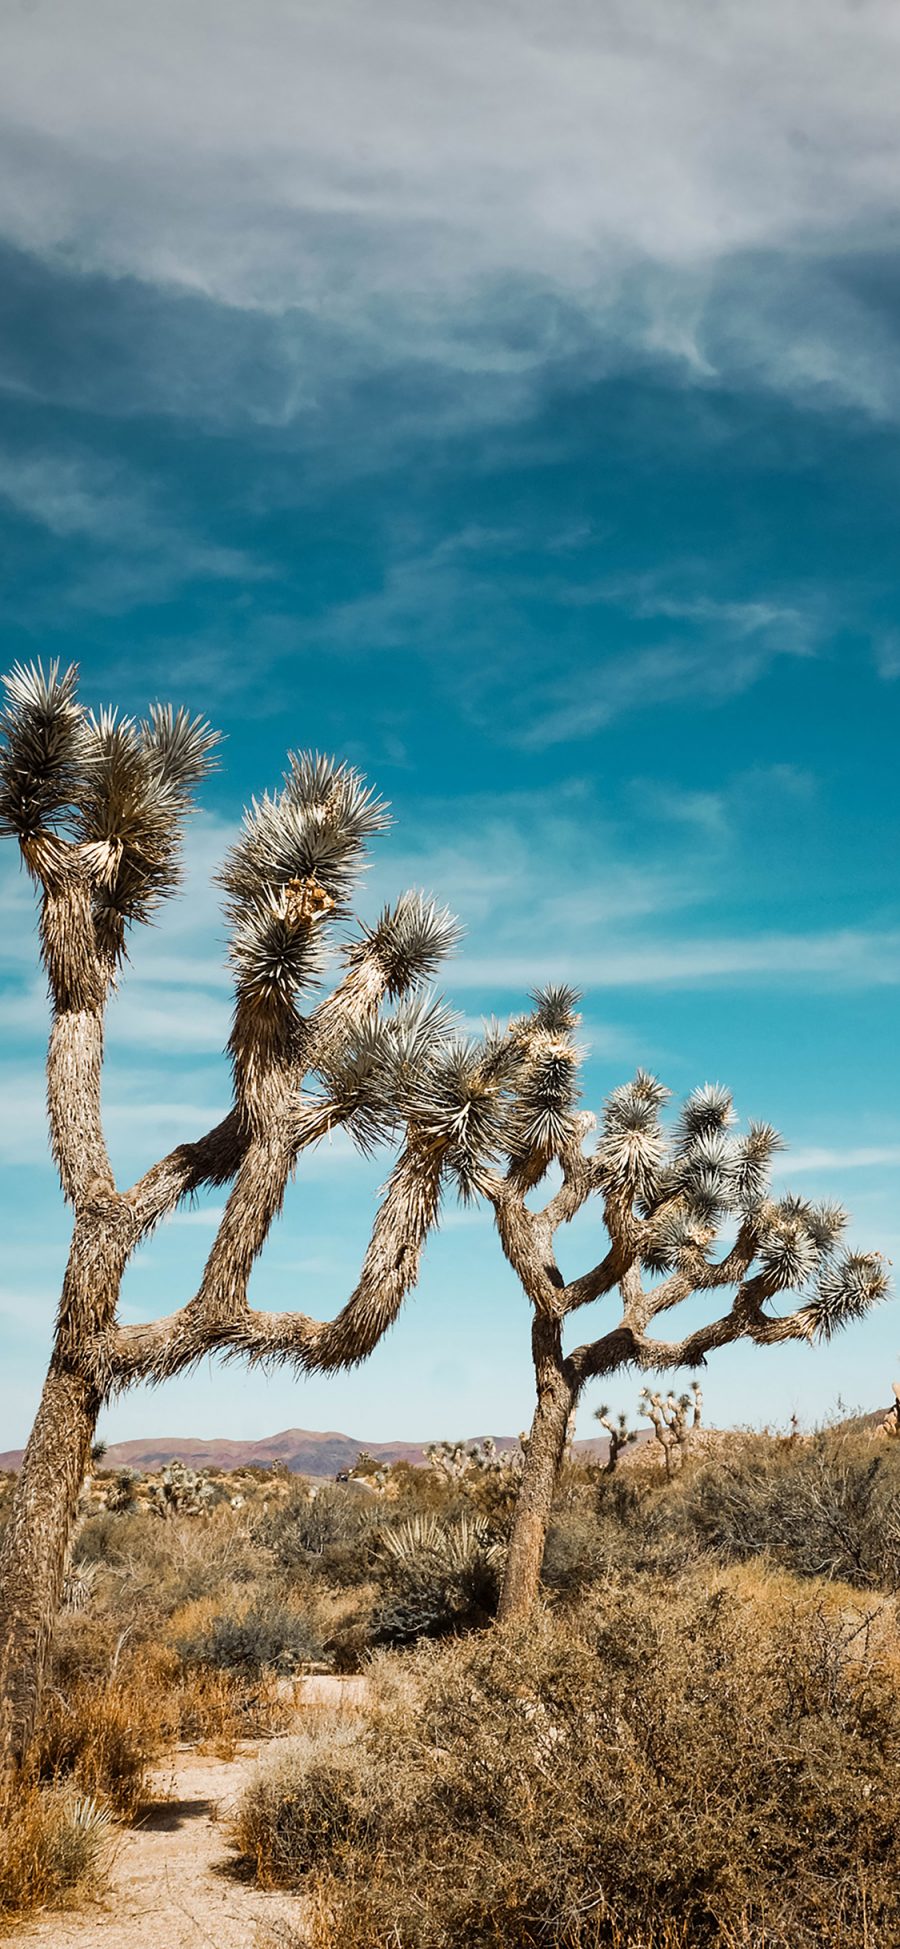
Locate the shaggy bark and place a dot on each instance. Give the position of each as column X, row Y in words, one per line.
column 35, row 1549
column 119, row 791
column 557, row 1394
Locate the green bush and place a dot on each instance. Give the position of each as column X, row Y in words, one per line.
column 334, row 1532
column 829, row 1507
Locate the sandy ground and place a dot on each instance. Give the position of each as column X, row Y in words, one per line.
column 171, row 1883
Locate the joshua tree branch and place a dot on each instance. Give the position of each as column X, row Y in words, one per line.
column 212, row 1159
column 407, row 1213
column 78, row 987
column 577, row 1177
column 628, row 1345
column 527, row 1240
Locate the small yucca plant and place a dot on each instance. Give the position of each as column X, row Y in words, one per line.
column 437, row 1576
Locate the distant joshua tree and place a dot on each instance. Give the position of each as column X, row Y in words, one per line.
column 668, row 1414
column 891, row 1423
column 685, row 1211
column 97, row 804
column 619, row 1434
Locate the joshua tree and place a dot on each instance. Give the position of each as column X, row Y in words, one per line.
column 891, row 1423
column 685, row 1211
column 620, row 1436
column 669, row 1416
column 97, row 804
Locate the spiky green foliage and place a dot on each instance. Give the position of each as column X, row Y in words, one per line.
column 377, row 1073
column 137, row 785
column 631, row 1151
column 751, row 1164
column 846, row 1289
column 316, row 828
column 707, row 1111
column 555, row 1008
column 410, row 940
column 436, row 1576
column 41, row 761
column 460, row 1103
column 299, row 855
column 116, row 789
column 546, row 1096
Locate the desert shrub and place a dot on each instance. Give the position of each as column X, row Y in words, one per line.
column 434, row 1577
column 104, row 1736
column 106, row 1537
column 270, row 1637
column 333, row 1532
column 577, row 1551
column 154, row 1568
column 667, row 1765
column 53, row 1841
column 85, row 1646
column 829, row 1507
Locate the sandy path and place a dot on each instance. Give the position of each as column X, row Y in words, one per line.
column 169, row 1885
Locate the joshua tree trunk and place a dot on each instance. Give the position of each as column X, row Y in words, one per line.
column 35, row 1551
column 557, row 1394
column 97, row 805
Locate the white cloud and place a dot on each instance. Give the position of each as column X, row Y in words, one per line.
column 845, row 958
column 385, row 168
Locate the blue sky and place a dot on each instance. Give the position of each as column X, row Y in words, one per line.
column 507, row 399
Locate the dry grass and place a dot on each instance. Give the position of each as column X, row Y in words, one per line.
column 54, row 1845
column 689, row 1748
column 103, row 1737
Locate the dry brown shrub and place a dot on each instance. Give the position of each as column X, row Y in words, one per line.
column 53, row 1846
column 673, row 1763
column 104, row 1736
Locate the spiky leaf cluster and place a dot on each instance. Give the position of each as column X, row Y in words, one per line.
column 707, row 1176
column 409, row 940
column 846, row 1289
column 116, row 788
column 545, row 1100
column 377, row 1074
column 298, row 857
column 674, row 1231
column 555, row 1008
column 707, row 1112
column 796, row 1240
column 631, row 1151
column 41, row 757
column 137, row 785
column 751, row 1166
column 460, row 1106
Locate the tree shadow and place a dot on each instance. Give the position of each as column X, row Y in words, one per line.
column 166, row 1816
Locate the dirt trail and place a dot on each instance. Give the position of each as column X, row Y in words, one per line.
column 171, row 1883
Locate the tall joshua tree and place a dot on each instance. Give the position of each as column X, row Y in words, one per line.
column 97, row 804
column 685, row 1210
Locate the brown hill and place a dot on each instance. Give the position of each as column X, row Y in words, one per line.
column 302, row 1450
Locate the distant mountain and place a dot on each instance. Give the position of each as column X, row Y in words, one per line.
column 302, row 1450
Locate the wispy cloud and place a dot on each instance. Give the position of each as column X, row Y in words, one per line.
column 821, row 1157
column 138, row 552
column 847, row 959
